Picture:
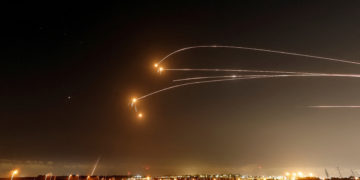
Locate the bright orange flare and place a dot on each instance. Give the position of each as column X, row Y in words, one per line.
column 134, row 100
column 156, row 65
column 140, row 115
column 15, row 172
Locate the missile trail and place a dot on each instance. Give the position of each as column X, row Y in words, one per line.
column 206, row 77
column 257, row 74
column 202, row 82
column 334, row 106
column 276, row 75
column 258, row 49
column 248, row 77
column 95, row 166
column 187, row 84
column 224, row 77
column 233, row 70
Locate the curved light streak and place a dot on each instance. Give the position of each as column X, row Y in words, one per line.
column 261, row 50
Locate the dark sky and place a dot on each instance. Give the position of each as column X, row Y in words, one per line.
column 101, row 54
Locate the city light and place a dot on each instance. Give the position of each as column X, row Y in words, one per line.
column 289, row 176
column 134, row 100
column 50, row 174
column 156, row 65
column 161, row 69
column 140, row 115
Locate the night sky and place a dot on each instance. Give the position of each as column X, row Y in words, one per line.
column 69, row 71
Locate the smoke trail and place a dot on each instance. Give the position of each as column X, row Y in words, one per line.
column 95, row 166
column 261, row 50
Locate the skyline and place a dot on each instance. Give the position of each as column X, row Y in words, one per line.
column 326, row 174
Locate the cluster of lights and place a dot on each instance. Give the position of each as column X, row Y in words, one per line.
column 159, row 68
column 134, row 100
column 133, row 103
column 298, row 174
column 287, row 176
